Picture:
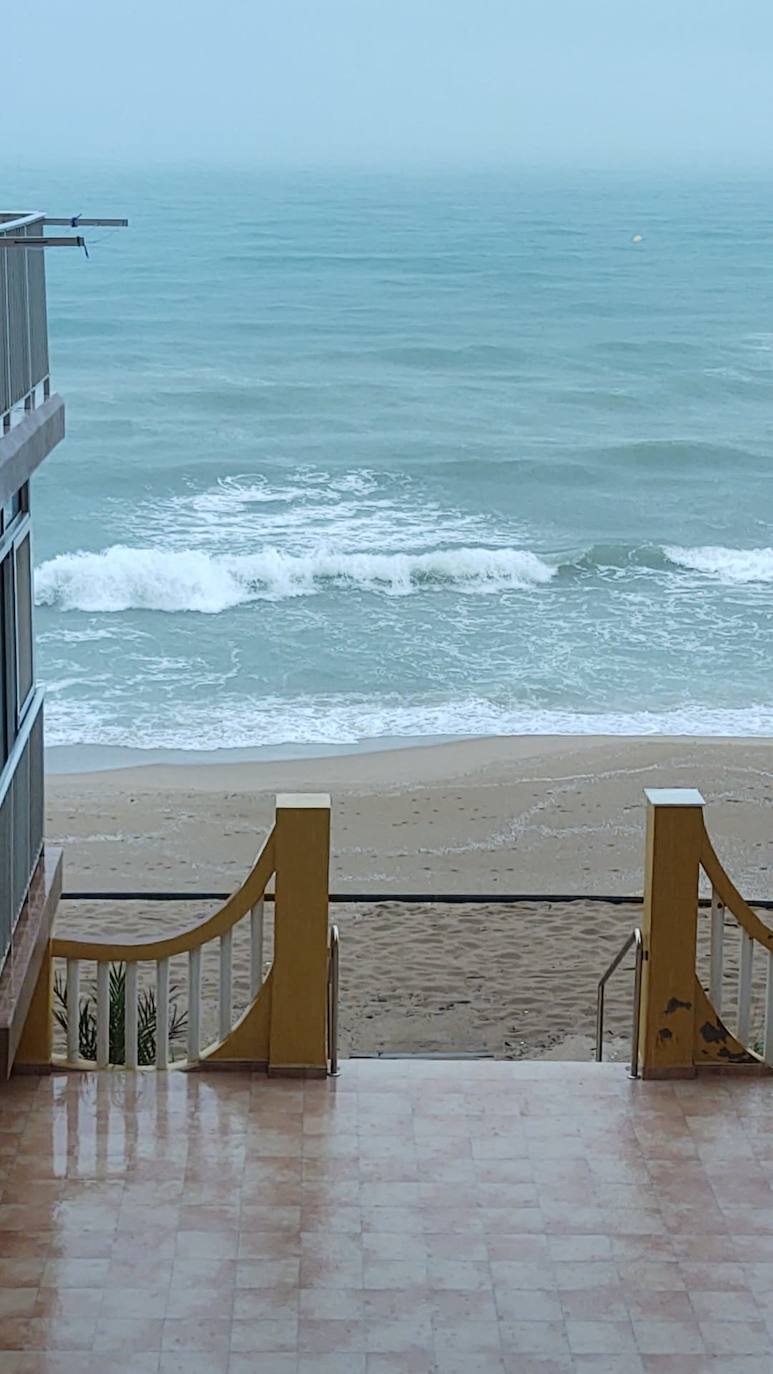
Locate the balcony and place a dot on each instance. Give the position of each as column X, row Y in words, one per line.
column 23, row 319
column 31, row 419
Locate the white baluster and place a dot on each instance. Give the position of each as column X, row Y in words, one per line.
column 162, row 1014
column 194, row 1004
column 103, row 1014
column 226, row 983
column 767, row 1049
column 130, row 1015
column 745, row 988
column 717, row 951
column 73, row 1009
column 256, row 948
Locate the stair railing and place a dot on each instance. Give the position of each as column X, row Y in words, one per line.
column 634, row 940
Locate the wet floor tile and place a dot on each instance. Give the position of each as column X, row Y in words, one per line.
column 408, row 1218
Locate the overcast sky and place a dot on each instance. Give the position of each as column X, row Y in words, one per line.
column 388, row 82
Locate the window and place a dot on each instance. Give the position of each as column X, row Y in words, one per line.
column 7, row 704
column 24, row 662
column 17, row 661
column 12, row 509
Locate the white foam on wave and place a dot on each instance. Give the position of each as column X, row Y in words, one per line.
column 89, row 634
column 122, row 578
column 238, row 722
column 732, row 566
column 358, row 511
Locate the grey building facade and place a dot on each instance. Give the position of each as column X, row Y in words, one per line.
column 31, row 425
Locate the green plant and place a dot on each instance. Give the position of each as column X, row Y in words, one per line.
column 146, row 1019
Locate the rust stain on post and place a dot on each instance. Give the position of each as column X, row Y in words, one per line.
column 674, row 1004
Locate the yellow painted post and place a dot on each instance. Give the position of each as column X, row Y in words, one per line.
column 666, row 1028
column 299, row 996
column 36, row 1043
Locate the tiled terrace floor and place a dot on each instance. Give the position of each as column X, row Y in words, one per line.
column 469, row 1218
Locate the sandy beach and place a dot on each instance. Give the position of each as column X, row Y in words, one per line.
column 542, row 816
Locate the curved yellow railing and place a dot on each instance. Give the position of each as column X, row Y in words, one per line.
column 713, row 1040
column 107, row 951
column 730, row 897
column 283, row 1026
column 239, row 905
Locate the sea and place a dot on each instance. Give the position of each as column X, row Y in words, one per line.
column 356, row 458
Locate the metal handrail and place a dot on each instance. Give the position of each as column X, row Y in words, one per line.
column 635, row 938
column 332, row 1001
column 20, row 220
column 13, row 232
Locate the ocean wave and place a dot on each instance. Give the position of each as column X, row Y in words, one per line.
column 125, row 578
column 676, row 457
column 731, row 566
column 617, row 558
column 308, row 724
column 122, row 578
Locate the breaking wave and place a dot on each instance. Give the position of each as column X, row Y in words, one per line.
column 732, row 566
column 122, row 578
column 729, row 566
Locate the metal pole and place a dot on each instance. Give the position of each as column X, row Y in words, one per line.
column 75, row 221
column 332, row 1003
column 633, row 1072
column 606, row 975
column 9, row 241
column 600, row 1023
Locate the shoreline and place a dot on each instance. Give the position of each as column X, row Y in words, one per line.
column 564, row 813
column 108, row 758
column 501, row 815
column 81, row 759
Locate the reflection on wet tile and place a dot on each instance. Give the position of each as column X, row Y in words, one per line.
column 411, row 1217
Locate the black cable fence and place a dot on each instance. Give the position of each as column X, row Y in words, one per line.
column 405, row 898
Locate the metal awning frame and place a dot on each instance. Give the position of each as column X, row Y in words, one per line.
column 42, row 241
column 10, row 239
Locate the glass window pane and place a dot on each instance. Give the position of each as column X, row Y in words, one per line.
column 24, row 619
column 11, row 509
column 6, row 658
